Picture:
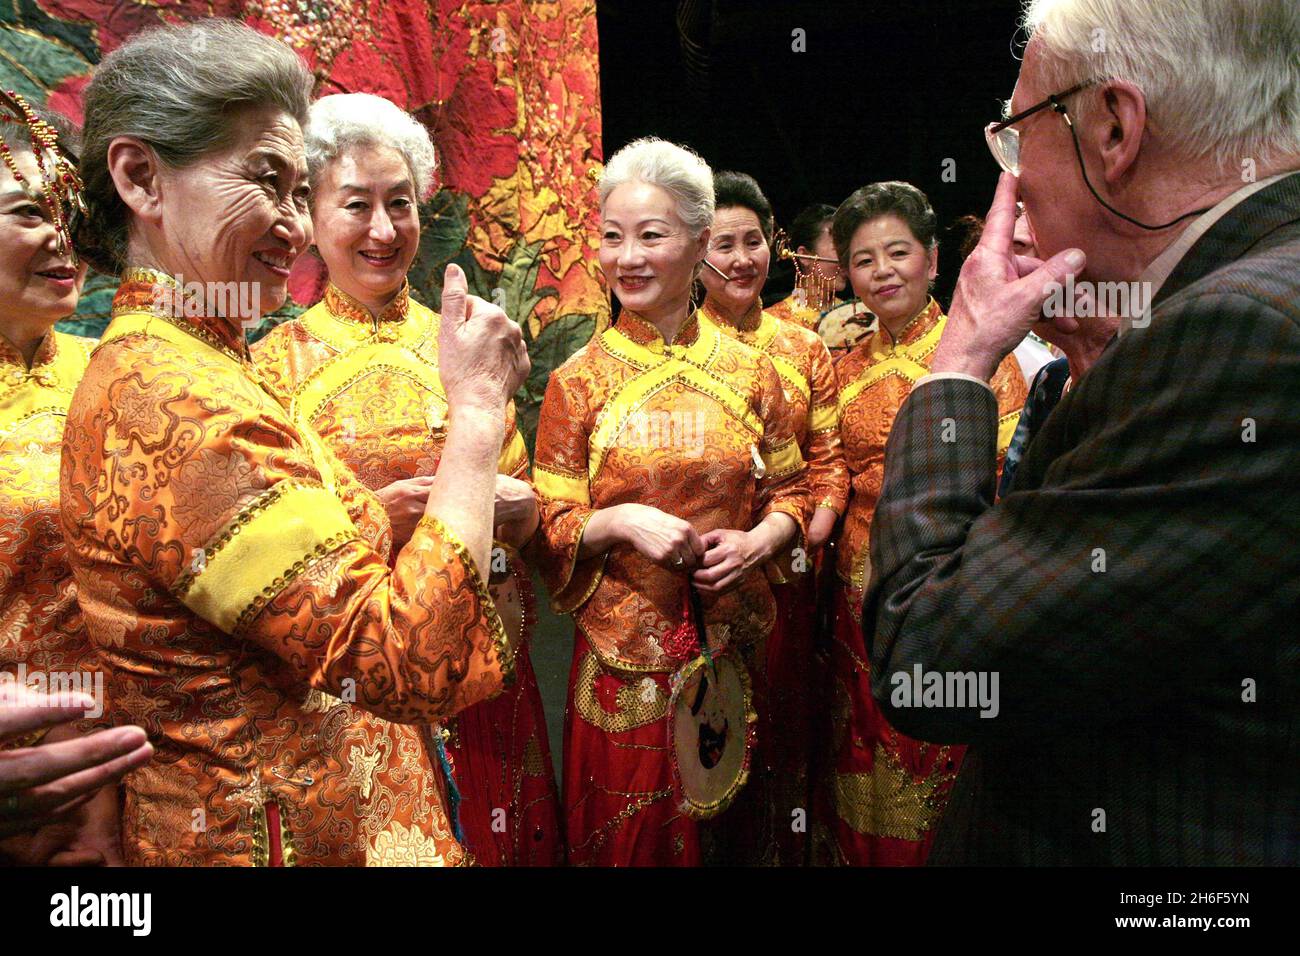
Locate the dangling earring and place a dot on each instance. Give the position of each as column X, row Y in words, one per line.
column 815, row 289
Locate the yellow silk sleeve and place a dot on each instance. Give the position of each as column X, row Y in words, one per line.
column 260, row 551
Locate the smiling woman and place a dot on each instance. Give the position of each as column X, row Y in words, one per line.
column 883, row 791
column 361, row 369
column 644, row 525
column 235, row 577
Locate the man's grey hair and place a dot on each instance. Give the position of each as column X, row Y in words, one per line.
column 1221, row 78
column 347, row 121
column 677, row 169
column 175, row 88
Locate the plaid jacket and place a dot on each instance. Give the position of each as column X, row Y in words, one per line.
column 1138, row 591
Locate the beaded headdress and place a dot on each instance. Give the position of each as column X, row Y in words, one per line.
column 60, row 187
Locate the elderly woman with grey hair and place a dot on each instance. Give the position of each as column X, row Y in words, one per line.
column 669, row 475
column 234, row 576
column 361, row 368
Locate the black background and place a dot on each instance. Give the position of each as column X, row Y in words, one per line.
column 883, row 91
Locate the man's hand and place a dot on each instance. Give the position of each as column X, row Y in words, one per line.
column 482, row 359
column 404, row 500
column 997, row 301
column 89, row 835
column 44, row 783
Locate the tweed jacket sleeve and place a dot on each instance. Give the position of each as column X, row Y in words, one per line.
column 1149, row 549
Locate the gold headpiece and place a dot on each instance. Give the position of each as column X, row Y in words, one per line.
column 815, row 289
column 60, row 188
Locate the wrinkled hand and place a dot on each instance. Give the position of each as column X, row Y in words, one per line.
column 728, row 556
column 89, row 835
column 514, row 510
column 660, row 537
column 41, row 784
column 996, row 301
column 482, row 359
column 404, row 500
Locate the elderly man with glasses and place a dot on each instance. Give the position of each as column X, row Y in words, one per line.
column 1132, row 600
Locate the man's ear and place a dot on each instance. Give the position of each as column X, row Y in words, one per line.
column 1120, row 124
column 136, row 172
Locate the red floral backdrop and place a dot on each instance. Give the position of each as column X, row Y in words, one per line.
column 509, row 89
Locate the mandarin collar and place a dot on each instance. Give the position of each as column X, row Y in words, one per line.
column 643, row 332
column 158, row 294
column 45, row 353
column 916, row 327
column 749, row 322
column 345, row 307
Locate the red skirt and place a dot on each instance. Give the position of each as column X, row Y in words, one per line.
column 509, row 810
column 620, row 803
column 884, row 793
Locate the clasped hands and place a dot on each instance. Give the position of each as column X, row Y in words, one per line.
column 717, row 560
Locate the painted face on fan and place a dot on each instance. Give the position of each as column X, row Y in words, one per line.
column 37, row 284
column 647, row 253
column 890, row 270
column 737, row 248
column 367, row 222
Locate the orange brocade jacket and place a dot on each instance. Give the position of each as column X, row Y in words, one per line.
column 234, row 578
column 40, row 623
column 808, row 378
column 699, row 429
column 875, row 378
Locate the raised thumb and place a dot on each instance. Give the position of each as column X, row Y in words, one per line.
column 455, row 290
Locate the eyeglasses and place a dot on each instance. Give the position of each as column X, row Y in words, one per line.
column 1004, row 139
column 1004, row 143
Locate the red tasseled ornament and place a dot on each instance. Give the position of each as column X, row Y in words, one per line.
column 682, row 643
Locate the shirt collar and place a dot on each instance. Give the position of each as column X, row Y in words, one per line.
column 1163, row 265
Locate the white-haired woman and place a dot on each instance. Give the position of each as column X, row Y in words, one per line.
column 361, row 368
column 666, row 462
column 234, row 576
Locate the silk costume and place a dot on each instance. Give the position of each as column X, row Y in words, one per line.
column 235, row 580
column 884, row 791
column 700, row 429
column 793, row 696
column 794, row 308
column 369, row 386
column 40, row 622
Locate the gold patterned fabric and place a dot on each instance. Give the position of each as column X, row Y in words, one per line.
column 235, row 581
column 793, row 309
column 40, row 622
column 698, row 428
column 808, row 378
column 369, row 386
column 874, row 379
